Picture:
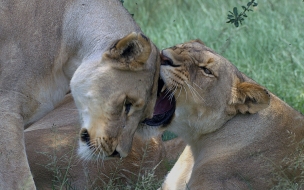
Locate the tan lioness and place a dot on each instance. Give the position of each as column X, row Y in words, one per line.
column 42, row 45
column 236, row 130
column 51, row 146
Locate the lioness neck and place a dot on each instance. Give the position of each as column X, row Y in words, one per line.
column 90, row 42
column 83, row 40
column 192, row 123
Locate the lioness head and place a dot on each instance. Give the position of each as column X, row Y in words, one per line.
column 114, row 94
column 208, row 89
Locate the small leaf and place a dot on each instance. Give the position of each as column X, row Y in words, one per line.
column 237, row 18
column 236, row 24
column 235, row 11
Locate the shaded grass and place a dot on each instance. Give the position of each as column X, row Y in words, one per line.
column 268, row 47
column 290, row 173
column 61, row 166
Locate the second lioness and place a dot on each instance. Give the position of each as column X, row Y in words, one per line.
column 236, row 130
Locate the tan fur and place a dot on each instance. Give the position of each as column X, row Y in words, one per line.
column 106, row 120
column 42, row 44
column 236, row 131
column 52, row 142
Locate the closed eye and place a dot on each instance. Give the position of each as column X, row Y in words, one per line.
column 127, row 107
column 206, row 71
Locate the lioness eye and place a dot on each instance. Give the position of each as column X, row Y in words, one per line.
column 128, row 107
column 207, row 71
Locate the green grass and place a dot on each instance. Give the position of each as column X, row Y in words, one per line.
column 268, row 47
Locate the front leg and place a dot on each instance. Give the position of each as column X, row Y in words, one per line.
column 14, row 169
column 179, row 175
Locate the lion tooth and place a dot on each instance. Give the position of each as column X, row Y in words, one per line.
column 163, row 89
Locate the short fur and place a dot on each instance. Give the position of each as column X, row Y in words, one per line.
column 42, row 44
column 57, row 137
column 236, row 130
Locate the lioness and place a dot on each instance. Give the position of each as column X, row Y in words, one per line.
column 236, row 130
column 54, row 163
column 42, row 45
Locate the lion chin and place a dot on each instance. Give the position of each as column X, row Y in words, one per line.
column 235, row 129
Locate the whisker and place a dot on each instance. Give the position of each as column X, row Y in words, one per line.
column 195, row 92
column 100, row 156
column 180, row 89
column 202, row 99
column 169, row 90
column 191, row 91
column 172, row 94
column 197, row 86
column 185, row 92
column 87, row 157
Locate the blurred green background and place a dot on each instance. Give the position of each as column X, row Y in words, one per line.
column 268, row 47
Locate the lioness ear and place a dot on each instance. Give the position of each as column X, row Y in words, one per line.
column 248, row 98
column 129, row 53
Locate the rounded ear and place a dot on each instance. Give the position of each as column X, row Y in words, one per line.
column 129, row 53
column 248, row 98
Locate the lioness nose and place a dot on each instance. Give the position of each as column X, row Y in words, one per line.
column 165, row 60
column 84, row 136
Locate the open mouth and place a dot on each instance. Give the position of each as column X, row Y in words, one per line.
column 164, row 107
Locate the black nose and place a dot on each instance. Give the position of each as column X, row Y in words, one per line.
column 166, row 61
column 84, row 136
